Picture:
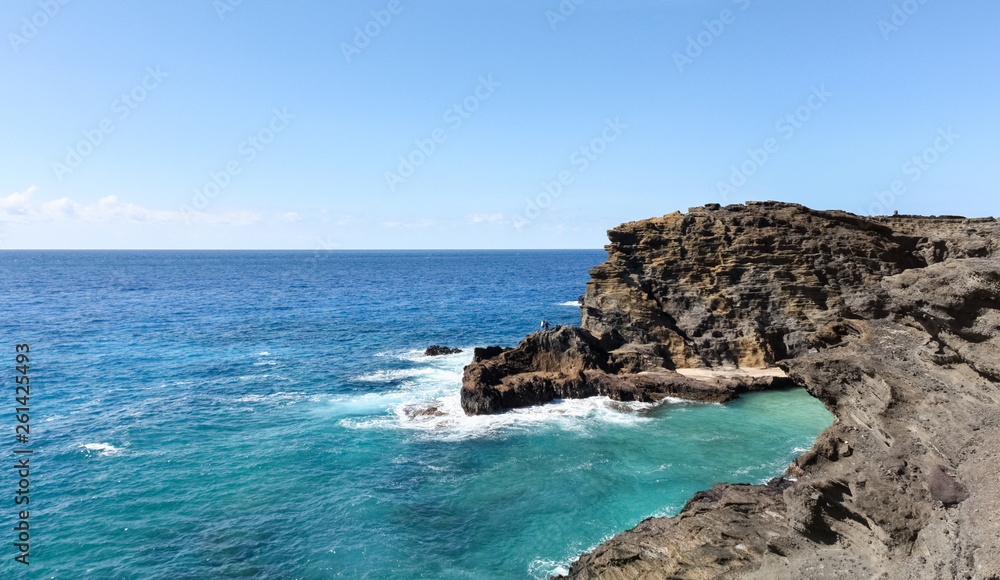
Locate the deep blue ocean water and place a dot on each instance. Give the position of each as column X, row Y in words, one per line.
column 251, row 415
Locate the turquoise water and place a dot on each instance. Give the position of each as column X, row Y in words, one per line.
column 256, row 415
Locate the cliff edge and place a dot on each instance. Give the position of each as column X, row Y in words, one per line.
column 892, row 322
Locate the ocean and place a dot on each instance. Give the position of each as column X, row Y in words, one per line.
column 202, row 415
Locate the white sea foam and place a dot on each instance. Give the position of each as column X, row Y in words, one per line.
column 408, row 355
column 426, row 400
column 102, row 448
column 443, row 418
column 582, row 414
column 541, row 568
column 667, row 511
column 574, row 303
column 265, row 353
column 418, row 356
column 388, row 376
column 366, row 411
column 265, row 362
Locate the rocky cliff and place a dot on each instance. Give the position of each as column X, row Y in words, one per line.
column 892, row 322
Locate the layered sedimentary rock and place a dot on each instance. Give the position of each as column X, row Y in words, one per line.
column 893, row 322
column 741, row 285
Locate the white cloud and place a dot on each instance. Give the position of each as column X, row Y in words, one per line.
column 22, row 208
column 337, row 218
column 422, row 223
column 492, row 219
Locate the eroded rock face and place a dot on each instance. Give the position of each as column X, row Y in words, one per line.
column 741, row 285
column 894, row 323
column 570, row 363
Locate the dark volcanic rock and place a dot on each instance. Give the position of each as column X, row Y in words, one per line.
column 894, row 323
column 569, row 363
column 481, row 354
column 441, row 350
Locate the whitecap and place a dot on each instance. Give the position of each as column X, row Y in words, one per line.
column 266, row 362
column 575, row 303
column 263, row 378
column 265, row 353
column 102, row 448
column 388, row 376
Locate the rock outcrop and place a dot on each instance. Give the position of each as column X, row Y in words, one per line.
column 568, row 362
column 741, row 285
column 436, row 350
column 892, row 322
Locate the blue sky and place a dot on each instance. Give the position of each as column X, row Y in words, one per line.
column 487, row 124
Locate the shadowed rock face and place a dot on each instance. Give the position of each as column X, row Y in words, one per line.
column 894, row 323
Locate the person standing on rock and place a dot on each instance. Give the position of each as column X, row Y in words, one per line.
column 545, row 325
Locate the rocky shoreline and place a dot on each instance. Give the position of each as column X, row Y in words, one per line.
column 569, row 363
column 892, row 322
